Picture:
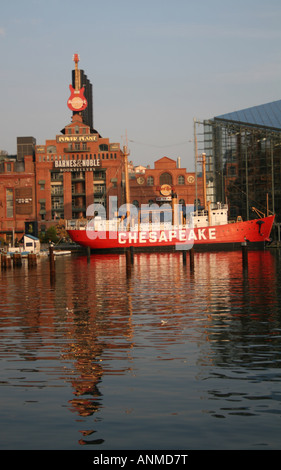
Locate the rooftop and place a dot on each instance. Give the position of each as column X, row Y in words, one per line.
column 265, row 115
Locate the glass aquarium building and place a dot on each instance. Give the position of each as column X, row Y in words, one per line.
column 243, row 160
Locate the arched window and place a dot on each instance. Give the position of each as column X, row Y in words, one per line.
column 166, row 178
column 150, row 181
column 181, row 179
column 103, row 148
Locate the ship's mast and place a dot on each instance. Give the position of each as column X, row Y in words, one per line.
column 204, row 180
column 196, row 161
column 127, row 187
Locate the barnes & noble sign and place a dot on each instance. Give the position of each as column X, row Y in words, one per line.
column 77, row 165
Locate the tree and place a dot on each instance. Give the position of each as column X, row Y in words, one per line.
column 51, row 235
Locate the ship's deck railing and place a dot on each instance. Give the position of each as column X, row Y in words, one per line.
column 200, row 218
column 120, row 225
column 204, row 212
column 76, row 224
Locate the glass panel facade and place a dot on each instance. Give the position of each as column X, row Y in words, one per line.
column 243, row 166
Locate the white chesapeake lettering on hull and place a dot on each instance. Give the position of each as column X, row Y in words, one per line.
column 212, row 234
column 153, row 237
column 133, row 237
column 120, row 237
column 142, row 237
column 162, row 237
column 201, row 234
column 192, row 235
column 182, row 235
column 172, row 235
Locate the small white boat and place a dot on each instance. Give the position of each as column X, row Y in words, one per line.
column 61, row 252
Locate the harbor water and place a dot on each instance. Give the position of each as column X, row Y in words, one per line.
column 156, row 357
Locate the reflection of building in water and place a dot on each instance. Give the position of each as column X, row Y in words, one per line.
column 237, row 301
column 79, row 319
column 215, row 271
column 220, row 279
column 100, row 318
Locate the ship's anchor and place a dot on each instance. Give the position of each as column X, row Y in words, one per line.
column 260, row 222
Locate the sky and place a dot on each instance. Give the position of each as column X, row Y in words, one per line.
column 155, row 66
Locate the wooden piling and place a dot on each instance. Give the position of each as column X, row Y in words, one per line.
column 17, row 260
column 128, row 261
column 191, row 259
column 52, row 260
column 31, row 259
column 132, row 254
column 5, row 261
column 184, row 257
column 244, row 254
column 88, row 254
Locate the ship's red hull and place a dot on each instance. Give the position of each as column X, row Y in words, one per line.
column 221, row 237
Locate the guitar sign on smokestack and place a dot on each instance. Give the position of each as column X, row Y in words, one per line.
column 77, row 100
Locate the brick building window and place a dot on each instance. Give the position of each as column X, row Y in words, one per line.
column 166, row 178
column 103, row 148
column 150, row 181
column 9, row 203
column 181, row 179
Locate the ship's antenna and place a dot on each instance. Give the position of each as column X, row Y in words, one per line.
column 125, row 140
